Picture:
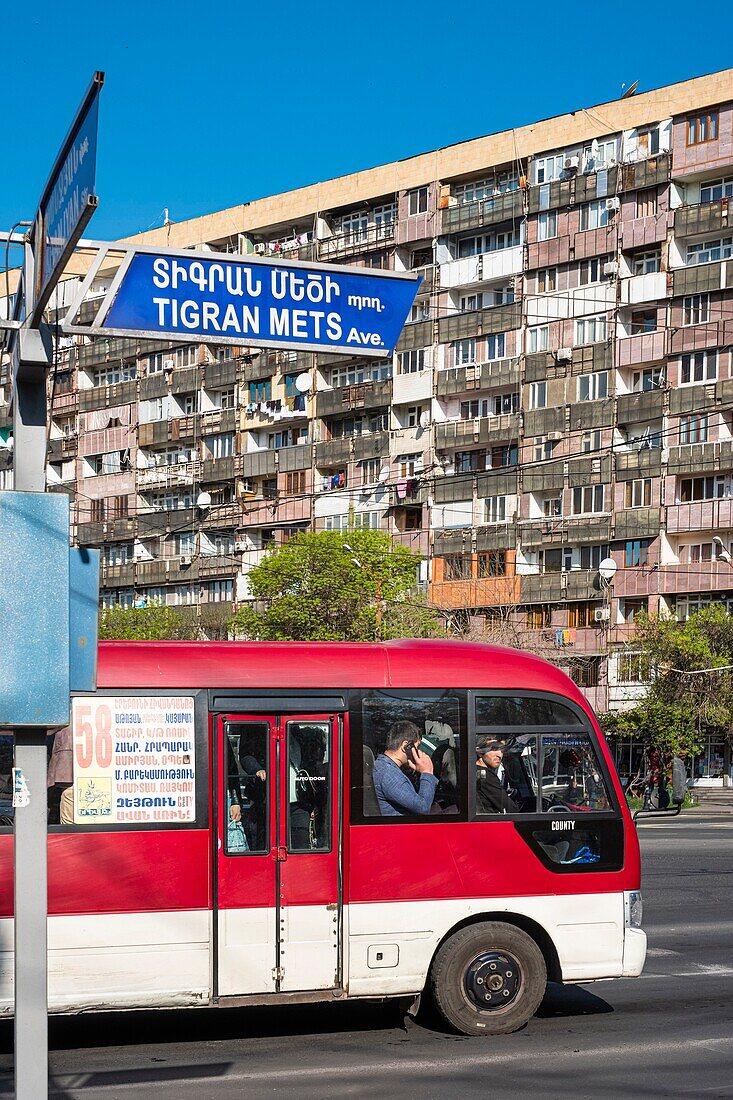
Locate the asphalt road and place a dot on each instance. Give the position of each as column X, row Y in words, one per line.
column 668, row 1033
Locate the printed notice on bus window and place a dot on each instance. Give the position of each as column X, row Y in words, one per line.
column 134, row 760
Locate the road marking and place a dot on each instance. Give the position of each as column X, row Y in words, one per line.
column 701, row 971
column 692, row 926
column 397, row 1065
column 657, row 952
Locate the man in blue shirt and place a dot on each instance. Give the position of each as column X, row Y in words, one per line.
column 396, row 795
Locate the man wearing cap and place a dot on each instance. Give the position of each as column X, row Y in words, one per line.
column 491, row 798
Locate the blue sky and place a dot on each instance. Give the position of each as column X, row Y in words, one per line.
column 208, row 105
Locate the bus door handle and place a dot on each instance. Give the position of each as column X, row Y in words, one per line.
column 282, row 855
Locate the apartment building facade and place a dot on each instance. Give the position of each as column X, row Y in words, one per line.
column 562, row 393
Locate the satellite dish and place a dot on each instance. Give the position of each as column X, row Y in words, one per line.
column 384, row 475
column 424, row 419
column 303, row 383
column 626, row 92
column 203, row 500
column 607, row 569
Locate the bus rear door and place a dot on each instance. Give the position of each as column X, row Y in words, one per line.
column 278, row 854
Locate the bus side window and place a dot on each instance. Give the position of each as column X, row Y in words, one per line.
column 60, row 779
column 435, row 717
column 7, row 812
column 506, row 774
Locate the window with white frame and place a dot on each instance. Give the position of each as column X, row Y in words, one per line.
column 411, row 362
column 494, row 241
column 408, row 465
column 543, row 448
column 699, row 366
column 593, row 214
column 118, row 553
column 547, row 225
column 225, row 399
column 290, row 437
column 472, row 302
column 221, row 446
column 691, row 489
column 706, row 252
column 591, row 441
column 638, row 493
column 464, row 351
column 353, row 227
column 589, row 330
column 370, row 468
column 537, row 395
column 694, row 428
column 592, row 387
column 111, row 374
column 551, row 505
column 184, row 543
column 648, row 262
column 695, row 309
column 354, row 374
column 172, row 502
column 599, row 154
column 496, row 509
column 591, row 270
column 417, row 201
column 384, row 219
column 221, row 591
column 588, row 499
column 549, row 167
column 496, row 346
column 500, row 296
column 174, row 358
column 644, row 381
column 472, row 410
column 716, row 190
column 538, row 338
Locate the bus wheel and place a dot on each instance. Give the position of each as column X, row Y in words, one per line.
column 488, row 979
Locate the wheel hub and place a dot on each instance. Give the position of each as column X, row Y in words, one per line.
column 493, row 980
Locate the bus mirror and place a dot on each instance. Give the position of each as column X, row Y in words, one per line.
column 679, row 780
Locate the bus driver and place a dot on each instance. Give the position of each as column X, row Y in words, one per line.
column 395, row 793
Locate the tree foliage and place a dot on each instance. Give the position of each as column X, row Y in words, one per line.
column 684, row 702
column 314, row 588
column 160, row 623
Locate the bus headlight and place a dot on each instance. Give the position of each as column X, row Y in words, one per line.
column 633, row 908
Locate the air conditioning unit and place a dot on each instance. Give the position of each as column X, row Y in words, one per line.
column 572, row 164
column 564, row 355
column 169, row 364
column 602, row 614
column 553, row 436
column 613, row 204
column 610, row 268
column 186, row 559
column 260, row 249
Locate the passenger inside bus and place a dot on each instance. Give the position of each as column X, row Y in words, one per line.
column 491, row 793
column 247, row 784
column 308, row 786
column 396, row 795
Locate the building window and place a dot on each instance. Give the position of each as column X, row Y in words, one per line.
column 592, row 387
column 702, row 128
column 589, row 330
column 411, row 362
column 634, row 668
column 457, row 567
column 370, row 470
column 464, row 352
column 695, row 309
column 543, row 448
column 547, row 280
column 706, row 252
column 547, row 225
column 496, row 346
column 647, row 142
column 581, row 615
column 288, row 438
column 417, row 201
column 492, row 563
column 537, row 395
column 643, row 320
column 552, row 507
column 716, row 190
column 260, row 391
column 699, row 366
column 701, row 488
column 496, row 509
column 636, row 552
column 588, row 498
column 647, row 263
column 694, row 428
column 408, row 465
column 114, row 373
column 354, row 375
column 646, row 203
column 227, row 399
column 591, row 441
column 644, row 381
column 538, row 338
column 295, row 482
column 221, row 446
column 549, row 168
column 412, row 416
column 593, row 215
column 585, row 673
column 599, row 154
column 384, row 219
column 638, row 493
column 591, row 271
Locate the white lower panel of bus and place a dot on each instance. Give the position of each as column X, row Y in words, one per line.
column 308, row 958
column 391, row 945
column 123, row 959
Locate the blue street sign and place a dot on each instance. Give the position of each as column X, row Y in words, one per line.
column 243, row 300
column 68, row 199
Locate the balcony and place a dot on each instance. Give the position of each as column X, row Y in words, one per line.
column 705, row 217
column 103, row 349
column 357, row 242
column 580, row 584
column 566, row 531
column 643, row 288
column 473, row 215
column 637, row 523
column 647, row 347
column 694, row 458
column 455, row 434
column 475, row 593
column 646, row 173
column 414, row 387
column 169, row 477
column 482, row 376
column 106, row 397
column 631, row 464
column 364, row 395
column 480, row 322
column 503, row 263
column 700, row 278
column 636, row 408
column 333, row 452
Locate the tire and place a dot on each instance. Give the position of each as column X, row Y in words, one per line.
column 489, row 962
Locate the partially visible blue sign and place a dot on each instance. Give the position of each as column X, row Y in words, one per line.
column 238, row 300
column 65, row 208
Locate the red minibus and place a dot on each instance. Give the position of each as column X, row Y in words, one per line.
column 221, row 833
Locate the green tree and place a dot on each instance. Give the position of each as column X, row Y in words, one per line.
column 687, row 697
column 143, row 624
column 336, row 586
